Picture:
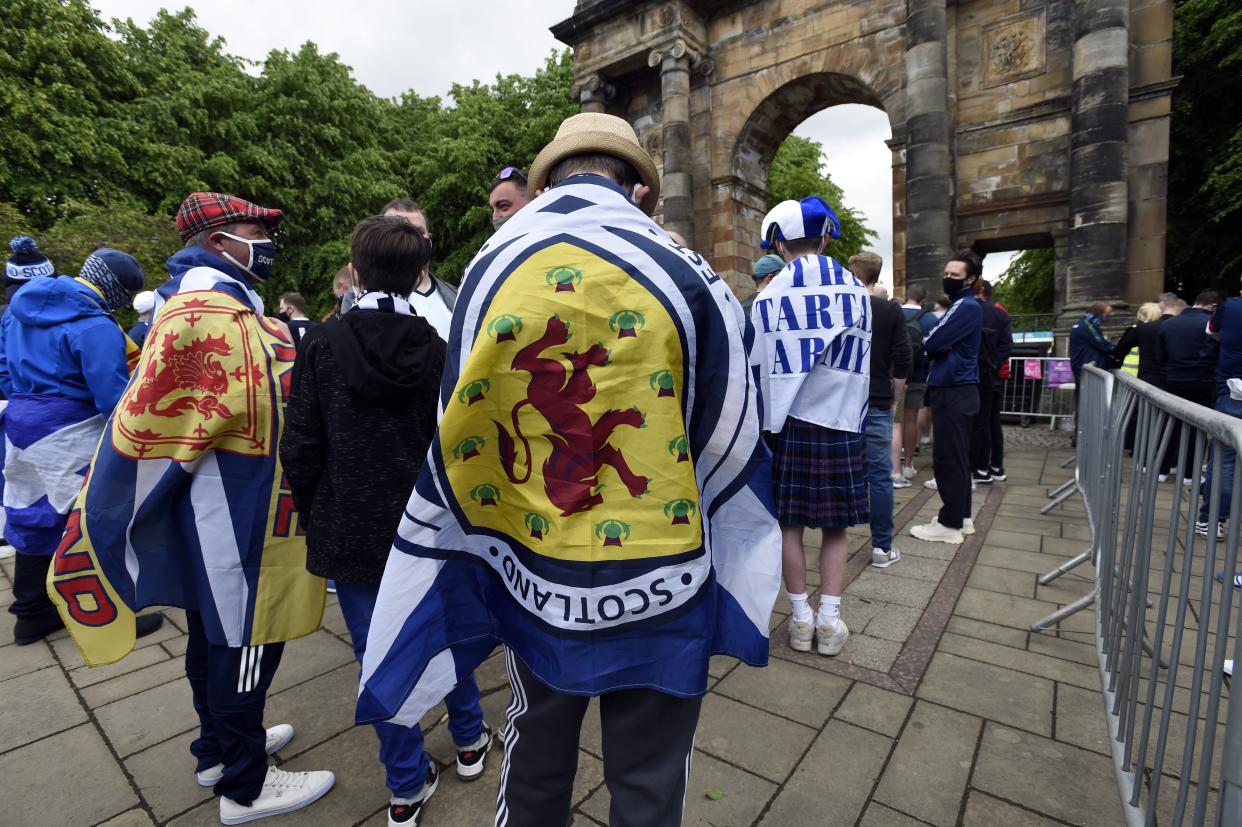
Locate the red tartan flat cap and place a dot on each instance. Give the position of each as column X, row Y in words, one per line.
column 205, row 210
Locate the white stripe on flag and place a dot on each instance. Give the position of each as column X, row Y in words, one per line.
column 221, row 557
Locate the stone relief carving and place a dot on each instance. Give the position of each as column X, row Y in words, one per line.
column 675, row 49
column 1013, row 49
column 666, row 16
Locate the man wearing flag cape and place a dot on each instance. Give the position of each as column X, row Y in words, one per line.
column 812, row 354
column 597, row 496
column 184, row 506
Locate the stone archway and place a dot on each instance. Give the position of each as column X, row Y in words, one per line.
column 1009, row 119
column 744, row 194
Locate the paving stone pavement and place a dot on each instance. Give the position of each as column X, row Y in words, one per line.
column 942, row 710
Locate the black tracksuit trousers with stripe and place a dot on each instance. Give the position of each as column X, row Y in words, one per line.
column 647, row 741
column 230, row 686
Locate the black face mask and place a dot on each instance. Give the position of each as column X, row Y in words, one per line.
column 952, row 287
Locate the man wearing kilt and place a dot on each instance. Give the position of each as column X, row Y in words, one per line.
column 812, row 357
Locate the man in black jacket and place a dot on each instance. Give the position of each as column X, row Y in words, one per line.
column 362, row 413
column 987, row 442
column 890, row 365
column 1189, row 355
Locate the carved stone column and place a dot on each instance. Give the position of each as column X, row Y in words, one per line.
column 1098, row 185
column 929, row 189
column 675, row 61
column 593, row 92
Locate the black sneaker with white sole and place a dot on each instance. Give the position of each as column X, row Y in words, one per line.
column 1202, row 527
column 981, row 477
column 998, row 474
column 405, row 812
column 472, row 759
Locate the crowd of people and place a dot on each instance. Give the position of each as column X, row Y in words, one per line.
column 589, row 453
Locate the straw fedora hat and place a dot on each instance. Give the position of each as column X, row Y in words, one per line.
column 596, row 132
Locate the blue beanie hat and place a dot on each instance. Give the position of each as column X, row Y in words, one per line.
column 26, row 262
column 116, row 274
column 767, row 265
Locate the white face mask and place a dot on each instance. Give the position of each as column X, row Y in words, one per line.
column 261, row 259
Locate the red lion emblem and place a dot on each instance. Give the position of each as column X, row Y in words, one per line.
column 579, row 446
column 189, row 368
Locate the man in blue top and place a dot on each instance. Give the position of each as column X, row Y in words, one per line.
column 1225, row 325
column 1087, row 344
column 62, row 367
column 953, row 386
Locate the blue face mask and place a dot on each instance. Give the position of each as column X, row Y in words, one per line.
column 262, row 256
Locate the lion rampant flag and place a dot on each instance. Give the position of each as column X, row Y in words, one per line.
column 183, row 504
column 597, row 497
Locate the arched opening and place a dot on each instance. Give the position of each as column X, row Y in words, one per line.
column 823, row 107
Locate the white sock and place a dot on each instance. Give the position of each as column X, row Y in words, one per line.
column 801, row 607
column 829, row 610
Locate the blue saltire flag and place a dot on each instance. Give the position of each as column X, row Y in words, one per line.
column 598, row 497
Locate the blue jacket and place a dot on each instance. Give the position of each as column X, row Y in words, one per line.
column 1227, row 324
column 953, row 345
column 1183, row 346
column 59, row 339
column 1088, row 345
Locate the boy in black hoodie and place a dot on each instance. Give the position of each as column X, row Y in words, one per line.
column 362, row 413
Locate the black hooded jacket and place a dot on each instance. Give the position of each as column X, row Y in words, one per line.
column 361, row 415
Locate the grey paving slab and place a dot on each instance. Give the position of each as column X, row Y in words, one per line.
column 309, row 656
column 53, row 707
column 164, row 775
column 890, row 622
column 319, row 709
column 751, row 738
column 982, row 810
column 144, row 719
column 1002, row 537
column 831, row 785
column 162, row 672
column 1080, row 719
column 806, row 695
column 176, row 646
column 1046, row 643
column 878, row 815
column 870, row 652
column 1015, row 698
column 133, row 818
column 94, row 788
column 915, row 567
column 1047, row 776
column 1015, row 559
column 1002, row 609
column 138, row 659
column 875, row 709
column 913, row 547
column 1002, row 580
column 743, row 795
column 20, row 660
column 1004, row 635
column 1033, row 663
column 928, row 771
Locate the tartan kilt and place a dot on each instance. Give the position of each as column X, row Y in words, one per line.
column 818, row 476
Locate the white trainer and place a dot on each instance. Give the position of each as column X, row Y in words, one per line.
column 968, row 525
column 800, row 635
column 931, row 483
column 935, row 532
column 909, row 472
column 283, row 792
column 277, row 737
column 882, row 559
column 832, row 639
column 900, row 481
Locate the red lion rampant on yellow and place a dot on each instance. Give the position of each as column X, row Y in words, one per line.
column 189, row 368
column 580, row 447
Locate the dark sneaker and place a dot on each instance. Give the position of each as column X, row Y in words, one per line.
column 406, row 812
column 981, row 477
column 471, row 759
column 146, row 624
column 998, row 474
column 28, row 630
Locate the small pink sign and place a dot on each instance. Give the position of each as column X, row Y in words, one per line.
column 1033, row 369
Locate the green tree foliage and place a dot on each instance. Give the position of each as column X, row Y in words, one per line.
column 798, row 171
column 1205, row 165
column 1027, row 285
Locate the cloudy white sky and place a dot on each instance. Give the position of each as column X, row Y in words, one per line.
column 429, row 45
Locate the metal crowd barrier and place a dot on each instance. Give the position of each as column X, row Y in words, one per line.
column 1167, row 626
column 1026, row 397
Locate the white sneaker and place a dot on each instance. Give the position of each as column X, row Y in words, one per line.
column 935, row 532
column 832, row 638
column 1162, row 477
column 931, row 483
column 283, row 792
column 909, row 472
column 968, row 526
column 277, row 737
column 900, row 482
column 924, row 440
column 800, row 635
column 882, row 559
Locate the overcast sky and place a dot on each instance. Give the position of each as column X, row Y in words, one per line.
column 429, row 45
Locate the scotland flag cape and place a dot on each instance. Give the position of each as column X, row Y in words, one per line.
column 183, row 504
column 597, row 497
column 813, row 343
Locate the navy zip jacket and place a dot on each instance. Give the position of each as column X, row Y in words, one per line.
column 1184, row 348
column 1088, row 345
column 953, row 345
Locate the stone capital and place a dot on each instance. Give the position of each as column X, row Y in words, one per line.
column 593, row 88
column 675, row 49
